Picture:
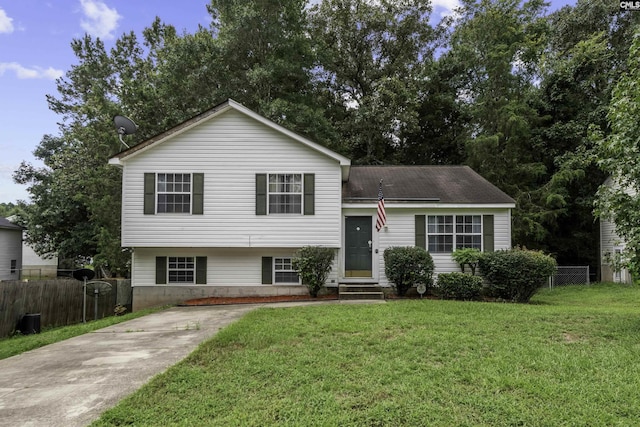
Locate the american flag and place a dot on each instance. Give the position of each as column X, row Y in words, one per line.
column 382, row 215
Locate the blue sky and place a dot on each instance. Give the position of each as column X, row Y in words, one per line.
column 35, row 37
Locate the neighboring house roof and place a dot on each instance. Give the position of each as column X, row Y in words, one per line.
column 8, row 225
column 441, row 184
column 215, row 111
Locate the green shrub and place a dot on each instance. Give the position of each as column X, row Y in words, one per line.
column 313, row 264
column 467, row 257
column 516, row 274
column 408, row 266
column 459, row 286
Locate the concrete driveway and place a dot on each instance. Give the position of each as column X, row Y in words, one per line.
column 72, row 382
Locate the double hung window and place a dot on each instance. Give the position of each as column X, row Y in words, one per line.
column 174, row 193
column 284, row 272
column 285, row 193
column 448, row 232
column 181, row 269
column 468, row 231
column 440, row 231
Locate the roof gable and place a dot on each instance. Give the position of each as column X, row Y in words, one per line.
column 123, row 156
column 442, row 184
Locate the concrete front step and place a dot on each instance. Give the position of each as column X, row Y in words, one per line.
column 360, row 291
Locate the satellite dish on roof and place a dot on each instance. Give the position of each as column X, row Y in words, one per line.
column 124, row 126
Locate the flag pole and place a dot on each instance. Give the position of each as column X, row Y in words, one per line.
column 381, row 220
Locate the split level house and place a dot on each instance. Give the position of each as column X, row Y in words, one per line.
column 218, row 205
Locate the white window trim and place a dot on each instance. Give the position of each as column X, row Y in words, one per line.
column 169, row 269
column 274, row 281
column 454, row 234
column 269, row 193
column 190, row 193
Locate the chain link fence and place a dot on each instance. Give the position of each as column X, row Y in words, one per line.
column 570, row 275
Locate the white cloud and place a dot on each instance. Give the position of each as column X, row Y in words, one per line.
column 101, row 21
column 6, row 25
column 30, row 73
column 447, row 5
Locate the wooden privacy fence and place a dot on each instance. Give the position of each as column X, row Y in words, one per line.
column 59, row 302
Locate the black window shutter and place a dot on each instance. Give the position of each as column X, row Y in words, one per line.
column 201, row 270
column 149, row 193
column 161, row 270
column 267, row 270
column 261, row 194
column 421, row 231
column 487, row 233
column 309, row 194
column 198, row 194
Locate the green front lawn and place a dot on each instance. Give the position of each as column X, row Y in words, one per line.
column 572, row 357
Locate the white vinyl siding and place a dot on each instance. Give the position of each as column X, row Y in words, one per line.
column 230, row 150
column 610, row 243
column 225, row 266
column 401, row 232
column 10, row 250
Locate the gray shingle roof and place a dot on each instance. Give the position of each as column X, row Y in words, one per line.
column 443, row 184
column 6, row 224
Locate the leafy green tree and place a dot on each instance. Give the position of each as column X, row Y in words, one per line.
column 499, row 42
column 618, row 156
column 8, row 209
column 587, row 47
column 442, row 130
column 267, row 60
column 370, row 58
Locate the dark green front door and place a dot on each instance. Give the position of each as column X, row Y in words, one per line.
column 358, row 246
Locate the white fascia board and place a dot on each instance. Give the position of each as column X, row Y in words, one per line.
column 388, row 205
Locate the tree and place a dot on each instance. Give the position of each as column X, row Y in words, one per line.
column 499, row 42
column 442, row 129
column 8, row 209
column 618, row 156
column 371, row 56
column 587, row 47
column 267, row 62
